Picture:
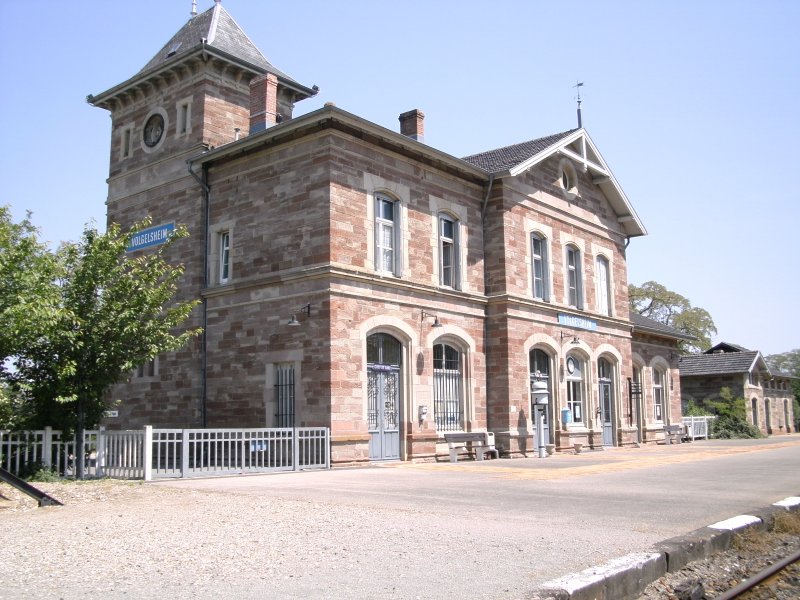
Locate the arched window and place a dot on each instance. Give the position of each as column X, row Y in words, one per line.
column 448, row 405
column 449, row 260
column 602, row 286
column 574, row 277
column 658, row 394
column 540, row 266
column 387, row 235
column 575, row 368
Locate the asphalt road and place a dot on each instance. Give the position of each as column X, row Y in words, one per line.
column 537, row 519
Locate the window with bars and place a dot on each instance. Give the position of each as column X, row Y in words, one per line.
column 284, row 395
column 447, row 392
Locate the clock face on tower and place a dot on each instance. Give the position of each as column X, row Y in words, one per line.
column 153, row 130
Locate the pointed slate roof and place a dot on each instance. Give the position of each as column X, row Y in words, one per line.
column 213, row 32
column 218, row 29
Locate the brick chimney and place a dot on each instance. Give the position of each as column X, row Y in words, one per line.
column 412, row 124
column 263, row 102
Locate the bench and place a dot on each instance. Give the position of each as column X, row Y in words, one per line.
column 481, row 442
column 674, row 432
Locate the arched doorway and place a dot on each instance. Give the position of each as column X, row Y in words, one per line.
column 384, row 357
column 606, row 400
column 754, row 410
column 540, row 371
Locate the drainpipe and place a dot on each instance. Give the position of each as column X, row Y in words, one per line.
column 485, row 314
column 203, row 181
column 486, row 198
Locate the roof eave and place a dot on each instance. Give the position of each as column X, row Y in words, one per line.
column 332, row 113
column 203, row 51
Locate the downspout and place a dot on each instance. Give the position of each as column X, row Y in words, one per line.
column 204, row 302
column 485, row 315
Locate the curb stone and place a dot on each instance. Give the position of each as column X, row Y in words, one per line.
column 625, row 578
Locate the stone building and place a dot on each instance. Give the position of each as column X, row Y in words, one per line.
column 353, row 277
column 768, row 396
column 655, row 387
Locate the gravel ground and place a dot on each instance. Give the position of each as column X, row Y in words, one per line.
column 135, row 540
column 117, row 539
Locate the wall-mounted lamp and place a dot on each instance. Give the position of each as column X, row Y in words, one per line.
column 436, row 322
column 575, row 339
column 293, row 322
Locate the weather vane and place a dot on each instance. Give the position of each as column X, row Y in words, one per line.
column 578, row 86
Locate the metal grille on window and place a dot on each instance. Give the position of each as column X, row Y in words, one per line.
column 447, row 388
column 284, row 395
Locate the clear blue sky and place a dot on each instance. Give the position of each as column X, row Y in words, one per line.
column 693, row 105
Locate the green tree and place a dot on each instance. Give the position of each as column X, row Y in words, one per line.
column 28, row 300
column 656, row 302
column 115, row 312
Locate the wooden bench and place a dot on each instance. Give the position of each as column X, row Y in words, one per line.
column 676, row 432
column 481, row 442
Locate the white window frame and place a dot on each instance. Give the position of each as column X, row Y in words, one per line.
column 224, row 256
column 603, row 285
column 449, row 274
column 575, row 388
column 393, row 226
column 542, row 260
column 575, row 269
column 659, row 377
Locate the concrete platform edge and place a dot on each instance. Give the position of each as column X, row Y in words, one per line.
column 625, row 578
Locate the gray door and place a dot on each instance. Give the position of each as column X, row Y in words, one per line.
column 383, row 396
column 606, row 416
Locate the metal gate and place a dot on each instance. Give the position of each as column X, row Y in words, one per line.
column 383, row 396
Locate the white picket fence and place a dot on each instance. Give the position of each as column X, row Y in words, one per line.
column 169, row 453
column 698, row 427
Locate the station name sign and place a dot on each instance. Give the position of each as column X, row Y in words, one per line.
column 577, row 322
column 152, row 236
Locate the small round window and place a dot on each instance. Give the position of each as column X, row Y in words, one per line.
column 153, row 130
column 568, row 178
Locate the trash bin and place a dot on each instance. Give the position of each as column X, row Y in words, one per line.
column 566, row 416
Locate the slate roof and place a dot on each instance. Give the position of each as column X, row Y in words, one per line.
column 503, row 159
column 724, row 363
column 727, row 347
column 643, row 323
column 220, row 32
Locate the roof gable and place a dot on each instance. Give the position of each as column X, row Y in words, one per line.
column 722, row 363
column 575, row 144
column 726, row 347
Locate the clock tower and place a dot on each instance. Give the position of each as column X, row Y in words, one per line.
column 207, row 86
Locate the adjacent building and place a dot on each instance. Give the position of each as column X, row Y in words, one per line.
column 768, row 396
column 354, row 277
